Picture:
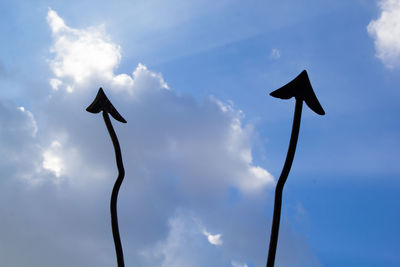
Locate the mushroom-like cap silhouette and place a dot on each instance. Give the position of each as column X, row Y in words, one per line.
column 300, row 88
column 101, row 103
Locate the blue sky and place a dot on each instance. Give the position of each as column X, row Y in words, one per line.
column 204, row 143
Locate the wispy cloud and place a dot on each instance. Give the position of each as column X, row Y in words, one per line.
column 275, row 53
column 237, row 264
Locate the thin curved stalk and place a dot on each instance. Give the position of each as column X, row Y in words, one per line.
column 281, row 182
column 114, row 194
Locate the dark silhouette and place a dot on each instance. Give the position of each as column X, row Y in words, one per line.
column 300, row 88
column 101, row 103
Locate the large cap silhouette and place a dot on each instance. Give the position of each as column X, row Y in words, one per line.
column 300, row 88
column 101, row 103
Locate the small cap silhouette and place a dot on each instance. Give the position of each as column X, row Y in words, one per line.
column 300, row 88
column 101, row 103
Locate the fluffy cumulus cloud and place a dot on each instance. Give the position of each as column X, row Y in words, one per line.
column 81, row 55
column 386, row 32
column 192, row 195
column 182, row 131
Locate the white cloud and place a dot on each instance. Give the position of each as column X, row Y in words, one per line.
column 52, row 161
column 81, row 54
column 215, row 240
column 142, row 79
column 258, row 178
column 386, row 32
column 275, row 53
column 55, row 84
column 185, row 244
column 33, row 124
column 237, row 264
column 56, row 23
column 85, row 55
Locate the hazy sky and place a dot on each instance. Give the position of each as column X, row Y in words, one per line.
column 204, row 143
